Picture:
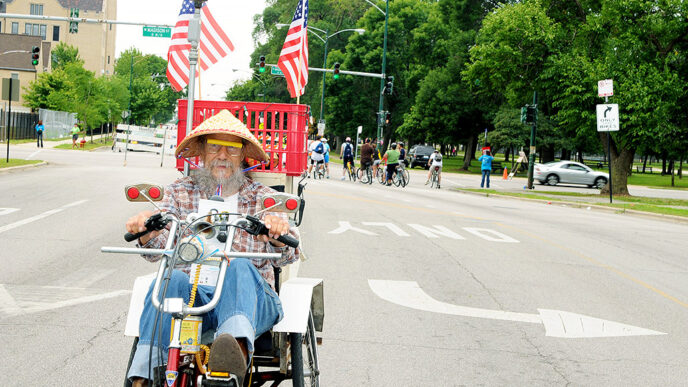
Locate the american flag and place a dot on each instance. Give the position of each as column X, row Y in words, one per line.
column 293, row 60
column 213, row 46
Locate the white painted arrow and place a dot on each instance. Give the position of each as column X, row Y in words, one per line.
column 557, row 323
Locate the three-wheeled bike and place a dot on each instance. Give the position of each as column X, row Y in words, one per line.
column 289, row 350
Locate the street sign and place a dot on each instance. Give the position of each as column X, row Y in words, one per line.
column 360, row 129
column 274, row 70
column 605, row 88
column 125, row 114
column 6, row 89
column 608, row 117
column 157, row 32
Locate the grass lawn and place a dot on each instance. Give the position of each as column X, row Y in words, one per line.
column 17, row 162
column 675, row 207
column 87, row 146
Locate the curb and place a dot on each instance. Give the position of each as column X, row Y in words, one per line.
column 20, row 167
column 679, row 219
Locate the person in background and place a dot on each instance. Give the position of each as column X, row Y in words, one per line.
column 486, row 167
column 39, row 133
column 347, row 153
column 402, row 155
column 326, row 156
column 392, row 157
column 75, row 135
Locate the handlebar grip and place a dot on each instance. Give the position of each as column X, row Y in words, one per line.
column 129, row 237
column 288, row 240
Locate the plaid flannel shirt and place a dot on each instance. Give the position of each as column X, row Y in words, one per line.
column 182, row 198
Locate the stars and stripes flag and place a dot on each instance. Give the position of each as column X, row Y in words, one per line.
column 293, row 60
column 214, row 45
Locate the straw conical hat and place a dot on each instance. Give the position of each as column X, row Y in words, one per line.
column 223, row 122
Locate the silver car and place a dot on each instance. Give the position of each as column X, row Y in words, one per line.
column 569, row 172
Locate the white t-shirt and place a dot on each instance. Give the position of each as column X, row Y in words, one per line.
column 434, row 162
column 315, row 155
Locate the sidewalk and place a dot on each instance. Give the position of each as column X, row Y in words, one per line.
column 53, row 144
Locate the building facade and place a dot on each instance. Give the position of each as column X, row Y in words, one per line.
column 96, row 42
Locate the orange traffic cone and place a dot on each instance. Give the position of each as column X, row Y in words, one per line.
column 505, row 176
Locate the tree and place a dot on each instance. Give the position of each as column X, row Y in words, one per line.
column 64, row 54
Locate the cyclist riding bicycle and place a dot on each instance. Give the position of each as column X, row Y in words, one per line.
column 347, row 153
column 366, row 154
column 435, row 162
column 392, row 157
column 317, row 149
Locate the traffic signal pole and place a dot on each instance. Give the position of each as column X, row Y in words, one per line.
column 531, row 155
column 384, row 65
column 194, row 39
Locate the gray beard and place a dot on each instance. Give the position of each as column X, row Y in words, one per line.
column 205, row 180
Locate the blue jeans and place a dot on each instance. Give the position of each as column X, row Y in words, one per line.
column 486, row 172
column 248, row 307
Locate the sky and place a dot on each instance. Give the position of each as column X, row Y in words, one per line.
column 234, row 16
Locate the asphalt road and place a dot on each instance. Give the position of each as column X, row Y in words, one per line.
column 422, row 287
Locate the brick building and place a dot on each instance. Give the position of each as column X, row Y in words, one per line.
column 96, row 42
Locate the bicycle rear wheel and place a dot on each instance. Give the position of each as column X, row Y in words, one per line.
column 381, row 175
column 396, row 179
column 369, row 175
column 405, row 174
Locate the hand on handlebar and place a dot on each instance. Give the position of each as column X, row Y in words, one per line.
column 137, row 223
column 277, row 227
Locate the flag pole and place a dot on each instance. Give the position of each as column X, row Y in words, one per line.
column 194, row 37
column 298, row 77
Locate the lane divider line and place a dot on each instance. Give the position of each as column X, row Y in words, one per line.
column 39, row 216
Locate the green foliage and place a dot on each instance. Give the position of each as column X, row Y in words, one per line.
column 64, row 54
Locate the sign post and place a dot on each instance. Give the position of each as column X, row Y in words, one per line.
column 10, row 92
column 358, row 133
column 607, row 121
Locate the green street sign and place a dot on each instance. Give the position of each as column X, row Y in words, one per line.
column 157, row 32
column 274, row 70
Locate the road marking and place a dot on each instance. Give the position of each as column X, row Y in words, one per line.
column 39, row 216
column 8, row 305
column 33, row 154
column 84, row 278
column 433, row 232
column 557, row 323
column 34, row 299
column 346, row 226
column 7, row 210
column 391, row 226
column 485, row 234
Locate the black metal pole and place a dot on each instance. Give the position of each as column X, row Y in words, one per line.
column 531, row 156
column 9, row 121
column 609, row 152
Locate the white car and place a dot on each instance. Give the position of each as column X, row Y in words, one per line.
column 569, row 172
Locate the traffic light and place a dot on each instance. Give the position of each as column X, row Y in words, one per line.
column 388, row 117
column 336, row 70
column 73, row 25
column 389, row 86
column 261, row 67
column 35, row 52
column 529, row 114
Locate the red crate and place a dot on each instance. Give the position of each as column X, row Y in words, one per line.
column 283, row 135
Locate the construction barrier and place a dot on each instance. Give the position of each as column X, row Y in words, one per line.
column 145, row 139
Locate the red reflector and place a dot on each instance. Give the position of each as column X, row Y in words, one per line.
column 268, row 202
column 154, row 192
column 291, row 204
column 133, row 193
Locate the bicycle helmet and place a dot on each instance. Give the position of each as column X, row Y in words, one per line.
column 401, row 143
column 393, row 145
column 348, row 139
column 324, row 139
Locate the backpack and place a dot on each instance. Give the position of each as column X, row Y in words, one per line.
column 319, row 148
column 347, row 150
column 438, row 157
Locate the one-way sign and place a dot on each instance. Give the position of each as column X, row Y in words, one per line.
column 608, row 118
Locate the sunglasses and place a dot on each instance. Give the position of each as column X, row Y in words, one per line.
column 215, row 146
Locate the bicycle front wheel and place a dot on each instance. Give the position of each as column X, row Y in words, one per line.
column 405, row 174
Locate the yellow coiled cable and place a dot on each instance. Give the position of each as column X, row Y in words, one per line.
column 202, row 362
column 194, row 289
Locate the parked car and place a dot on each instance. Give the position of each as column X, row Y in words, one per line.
column 419, row 155
column 569, row 172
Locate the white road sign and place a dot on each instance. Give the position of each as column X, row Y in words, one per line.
column 605, row 88
column 608, row 117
